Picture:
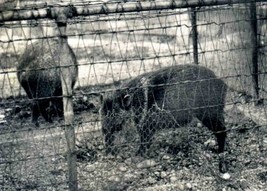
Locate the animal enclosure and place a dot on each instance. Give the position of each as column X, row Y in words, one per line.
column 115, row 42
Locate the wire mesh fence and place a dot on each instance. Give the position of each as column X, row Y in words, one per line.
column 139, row 108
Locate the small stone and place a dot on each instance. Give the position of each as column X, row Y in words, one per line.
column 166, row 157
column 54, row 159
column 8, row 110
column 184, row 163
column 85, row 98
column 181, row 186
column 110, row 156
column 129, row 177
column 100, row 147
column 146, row 164
column 226, row 176
column 188, row 185
column 151, row 180
column 114, row 179
column 173, row 179
column 128, row 161
column 122, row 168
column 210, row 143
column 91, row 168
column 3, row 122
column 163, row 174
column 157, row 173
column 118, row 157
column 207, row 155
column 247, row 162
column 255, row 148
column 199, row 125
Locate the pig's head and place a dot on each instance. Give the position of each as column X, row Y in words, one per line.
column 114, row 112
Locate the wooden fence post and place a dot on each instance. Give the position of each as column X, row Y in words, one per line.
column 68, row 69
column 254, row 52
column 194, row 34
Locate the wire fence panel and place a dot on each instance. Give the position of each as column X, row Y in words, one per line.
column 145, row 79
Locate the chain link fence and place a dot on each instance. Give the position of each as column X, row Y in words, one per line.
column 131, row 88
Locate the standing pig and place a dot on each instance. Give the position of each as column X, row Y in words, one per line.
column 39, row 69
column 39, row 75
column 177, row 93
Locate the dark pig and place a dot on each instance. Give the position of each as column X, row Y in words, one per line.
column 171, row 95
column 38, row 72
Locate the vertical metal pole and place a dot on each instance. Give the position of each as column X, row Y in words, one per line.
column 254, row 52
column 194, row 34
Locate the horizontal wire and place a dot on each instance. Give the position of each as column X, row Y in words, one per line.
column 110, row 8
column 132, row 60
column 117, row 31
column 4, row 102
column 75, row 123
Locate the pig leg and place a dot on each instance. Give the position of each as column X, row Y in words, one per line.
column 146, row 133
column 43, row 106
column 35, row 113
column 109, row 139
column 217, row 126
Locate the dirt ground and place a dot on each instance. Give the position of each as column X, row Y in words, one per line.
column 180, row 159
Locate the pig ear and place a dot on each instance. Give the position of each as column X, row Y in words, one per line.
column 127, row 99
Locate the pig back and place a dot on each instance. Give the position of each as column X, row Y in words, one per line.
column 187, row 91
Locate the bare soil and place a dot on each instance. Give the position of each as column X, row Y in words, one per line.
column 179, row 159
